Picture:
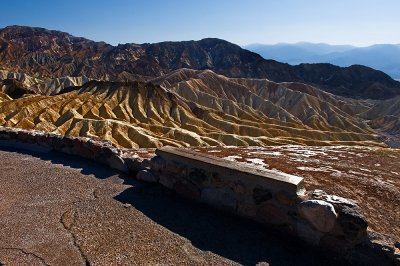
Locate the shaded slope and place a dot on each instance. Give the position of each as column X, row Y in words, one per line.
column 384, row 116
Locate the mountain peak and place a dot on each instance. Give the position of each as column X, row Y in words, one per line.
column 46, row 53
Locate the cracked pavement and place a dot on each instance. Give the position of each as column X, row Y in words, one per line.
column 61, row 210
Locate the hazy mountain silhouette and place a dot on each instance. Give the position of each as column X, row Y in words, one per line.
column 384, row 57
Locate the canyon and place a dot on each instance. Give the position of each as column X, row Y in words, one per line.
column 127, row 106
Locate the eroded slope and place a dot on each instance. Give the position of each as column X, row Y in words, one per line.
column 192, row 108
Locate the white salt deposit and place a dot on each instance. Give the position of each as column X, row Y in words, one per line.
column 271, row 153
column 257, row 162
column 232, row 158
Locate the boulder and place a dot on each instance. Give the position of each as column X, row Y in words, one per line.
column 116, row 162
column 146, row 176
column 157, row 164
column 308, row 233
column 320, row 214
column 350, row 219
column 353, row 223
column 134, row 164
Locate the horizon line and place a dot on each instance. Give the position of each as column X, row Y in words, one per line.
column 188, row 40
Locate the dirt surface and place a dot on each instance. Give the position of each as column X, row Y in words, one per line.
column 370, row 176
column 60, row 210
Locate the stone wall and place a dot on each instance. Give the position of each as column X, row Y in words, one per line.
column 269, row 197
column 275, row 199
column 100, row 151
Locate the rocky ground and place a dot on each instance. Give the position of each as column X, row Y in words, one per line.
column 60, row 210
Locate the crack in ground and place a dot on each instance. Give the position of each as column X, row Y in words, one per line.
column 26, row 253
column 69, row 215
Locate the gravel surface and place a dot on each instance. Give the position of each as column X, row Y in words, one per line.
column 60, row 210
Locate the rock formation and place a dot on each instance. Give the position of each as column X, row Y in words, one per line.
column 193, row 108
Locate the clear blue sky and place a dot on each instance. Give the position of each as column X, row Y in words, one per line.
column 357, row 22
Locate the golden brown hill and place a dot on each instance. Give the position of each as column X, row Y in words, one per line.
column 200, row 109
column 289, row 101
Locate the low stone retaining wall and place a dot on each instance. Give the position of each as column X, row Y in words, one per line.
column 272, row 198
column 101, row 151
column 275, row 199
column 269, row 197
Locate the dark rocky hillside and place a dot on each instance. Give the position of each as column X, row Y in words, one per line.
column 44, row 53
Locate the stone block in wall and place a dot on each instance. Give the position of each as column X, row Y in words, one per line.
column 284, row 198
column 116, row 162
column 157, row 164
column 94, row 147
column 223, row 198
column 56, row 141
column 245, row 208
column 175, row 168
column 261, row 195
column 197, row 175
column 320, row 214
column 187, row 190
column 25, row 136
column 134, row 164
column 79, row 148
column 4, row 136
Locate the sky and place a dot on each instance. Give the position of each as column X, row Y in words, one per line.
column 355, row 22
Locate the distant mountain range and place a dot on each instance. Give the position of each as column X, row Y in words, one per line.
column 43, row 53
column 384, row 57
